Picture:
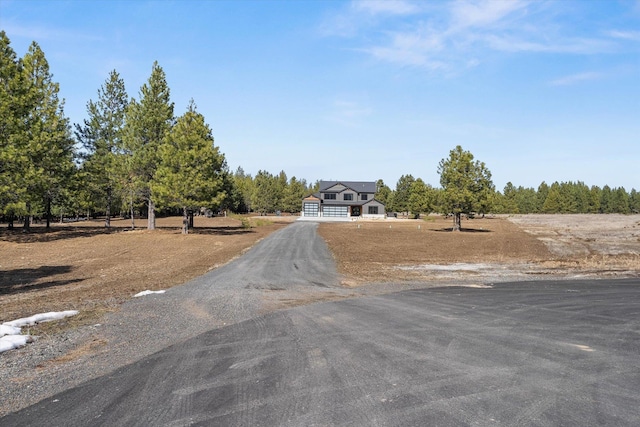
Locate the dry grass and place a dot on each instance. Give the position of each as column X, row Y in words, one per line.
column 368, row 251
column 85, row 267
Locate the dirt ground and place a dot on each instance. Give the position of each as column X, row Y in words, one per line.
column 501, row 248
column 83, row 266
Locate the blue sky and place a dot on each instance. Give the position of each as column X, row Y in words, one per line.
column 340, row 90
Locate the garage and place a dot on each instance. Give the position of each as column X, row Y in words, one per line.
column 310, row 209
column 335, row 211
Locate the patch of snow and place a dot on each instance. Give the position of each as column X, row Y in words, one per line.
column 9, row 342
column 42, row 317
column 8, row 330
column 143, row 293
column 10, row 337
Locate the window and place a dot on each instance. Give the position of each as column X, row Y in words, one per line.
column 364, row 197
column 348, row 196
column 330, row 196
column 373, row 210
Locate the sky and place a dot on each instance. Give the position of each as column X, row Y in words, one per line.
column 365, row 90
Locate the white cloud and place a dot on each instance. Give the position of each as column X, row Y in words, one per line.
column 576, row 78
column 483, row 13
column 570, row 45
column 414, row 49
column 362, row 14
column 443, row 36
column 391, row 7
column 625, row 35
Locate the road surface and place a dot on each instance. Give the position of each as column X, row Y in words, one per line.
column 545, row 354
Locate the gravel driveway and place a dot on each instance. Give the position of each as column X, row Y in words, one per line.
column 290, row 264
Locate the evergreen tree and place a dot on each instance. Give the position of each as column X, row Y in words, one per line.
column 509, row 201
column 402, row 194
column 383, row 193
column 620, row 201
column 543, row 192
column 190, row 170
column 265, row 192
column 13, row 116
column 148, row 121
column 280, row 187
column 594, row 199
column 101, row 136
column 634, row 201
column 244, row 185
column 526, row 200
column 293, row 195
column 466, row 185
column 582, row 196
column 605, row 200
column 553, row 201
column 45, row 139
column 420, row 198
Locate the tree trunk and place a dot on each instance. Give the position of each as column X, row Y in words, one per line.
column 48, row 213
column 185, row 220
column 191, row 219
column 26, row 227
column 457, row 221
column 107, row 220
column 151, row 216
column 133, row 220
column 10, row 226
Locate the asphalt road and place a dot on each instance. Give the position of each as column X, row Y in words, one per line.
column 545, row 354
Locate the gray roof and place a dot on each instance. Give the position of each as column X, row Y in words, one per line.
column 357, row 186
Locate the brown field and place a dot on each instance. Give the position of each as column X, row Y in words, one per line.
column 85, row 267
column 516, row 247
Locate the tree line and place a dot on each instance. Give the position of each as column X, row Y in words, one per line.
column 132, row 157
column 413, row 197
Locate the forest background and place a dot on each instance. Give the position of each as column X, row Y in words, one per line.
column 133, row 157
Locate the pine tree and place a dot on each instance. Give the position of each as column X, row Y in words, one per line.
column 265, row 192
column 466, row 185
column 541, row 196
column 420, row 198
column 101, row 136
column 190, row 170
column 293, row 195
column 634, row 201
column 383, row 193
column 402, row 193
column 243, row 183
column 553, row 201
column 509, row 202
column 605, row 200
column 620, row 201
column 46, row 137
column 148, row 121
column 12, row 119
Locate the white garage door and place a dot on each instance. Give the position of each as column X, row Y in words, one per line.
column 335, row 211
column 310, row 209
